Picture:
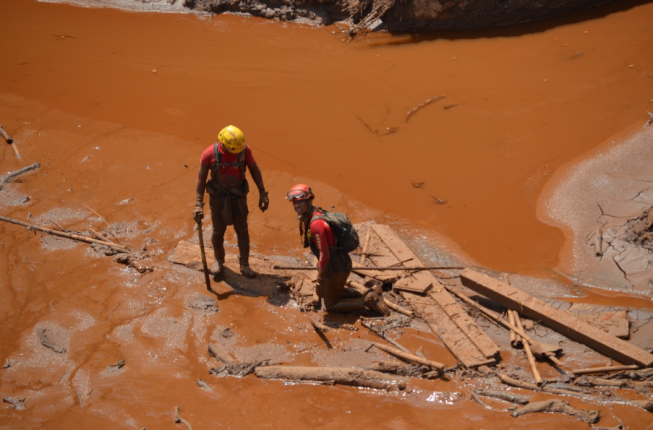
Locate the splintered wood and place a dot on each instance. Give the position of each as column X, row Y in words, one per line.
column 562, row 322
column 460, row 334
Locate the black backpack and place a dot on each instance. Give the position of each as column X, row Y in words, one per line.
column 343, row 230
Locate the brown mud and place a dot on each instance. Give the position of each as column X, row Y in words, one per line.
column 117, row 108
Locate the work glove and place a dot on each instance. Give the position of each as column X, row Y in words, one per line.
column 263, row 201
column 198, row 214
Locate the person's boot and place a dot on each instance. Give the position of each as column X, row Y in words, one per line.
column 375, row 302
column 247, row 272
column 218, row 270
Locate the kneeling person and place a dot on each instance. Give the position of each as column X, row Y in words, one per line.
column 334, row 265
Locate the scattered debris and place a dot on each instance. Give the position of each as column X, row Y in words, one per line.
column 219, row 355
column 649, row 122
column 132, row 261
column 6, row 136
column 118, row 365
column 388, row 130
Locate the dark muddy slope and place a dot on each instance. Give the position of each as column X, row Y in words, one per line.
column 400, row 15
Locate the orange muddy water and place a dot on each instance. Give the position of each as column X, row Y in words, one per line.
column 118, row 106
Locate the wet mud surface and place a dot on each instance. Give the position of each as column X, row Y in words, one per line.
column 118, row 119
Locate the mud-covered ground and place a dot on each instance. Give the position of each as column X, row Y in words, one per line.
column 117, row 120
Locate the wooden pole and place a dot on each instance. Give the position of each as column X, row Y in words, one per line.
column 605, row 369
column 527, row 348
column 368, row 236
column 111, row 245
column 409, row 357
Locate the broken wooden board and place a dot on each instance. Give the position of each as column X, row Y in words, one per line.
column 465, row 351
column 562, row 322
column 418, row 282
column 464, row 322
column 614, row 323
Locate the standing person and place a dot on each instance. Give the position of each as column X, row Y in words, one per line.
column 228, row 159
column 334, row 265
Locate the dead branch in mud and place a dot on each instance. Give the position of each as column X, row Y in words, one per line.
column 379, row 8
column 504, row 395
column 405, row 369
column 647, row 405
column 604, row 369
column 560, row 407
column 45, row 341
column 13, row 175
column 365, row 323
column 592, row 381
column 237, row 370
column 118, row 248
column 422, row 105
column 220, row 355
column 409, row 357
column 109, row 229
column 178, row 419
column 334, row 375
column 98, row 236
column 79, row 396
column 6, row 136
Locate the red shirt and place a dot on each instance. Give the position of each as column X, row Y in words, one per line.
column 322, row 236
column 208, row 157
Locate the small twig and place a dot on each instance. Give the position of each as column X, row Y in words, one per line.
column 114, row 308
column 105, row 221
column 81, row 402
column 6, row 136
column 179, row 419
column 422, row 105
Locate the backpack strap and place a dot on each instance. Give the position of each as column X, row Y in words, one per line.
column 240, row 163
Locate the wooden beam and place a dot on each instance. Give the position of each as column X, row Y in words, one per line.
column 560, row 321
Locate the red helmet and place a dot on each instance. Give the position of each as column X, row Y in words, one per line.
column 300, row 192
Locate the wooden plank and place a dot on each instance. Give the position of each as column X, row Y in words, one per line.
column 616, row 322
column 562, row 322
column 418, row 282
column 464, row 322
column 449, row 333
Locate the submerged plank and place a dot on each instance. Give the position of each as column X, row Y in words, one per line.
column 558, row 320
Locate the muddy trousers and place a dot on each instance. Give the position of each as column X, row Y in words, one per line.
column 220, row 227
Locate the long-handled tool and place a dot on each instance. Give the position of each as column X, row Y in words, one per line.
column 206, row 267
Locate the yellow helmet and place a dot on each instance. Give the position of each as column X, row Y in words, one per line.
column 232, row 139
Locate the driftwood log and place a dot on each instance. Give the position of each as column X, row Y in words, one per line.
column 504, row 395
column 557, row 406
column 334, row 375
column 118, row 248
